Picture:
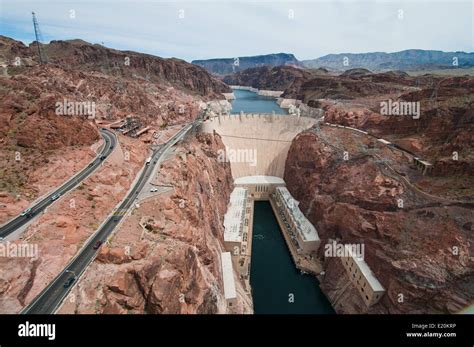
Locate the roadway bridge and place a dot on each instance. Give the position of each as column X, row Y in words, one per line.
column 257, row 144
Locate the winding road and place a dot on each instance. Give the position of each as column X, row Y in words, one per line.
column 52, row 296
column 19, row 221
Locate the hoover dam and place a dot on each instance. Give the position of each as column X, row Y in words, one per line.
column 262, row 252
column 258, row 142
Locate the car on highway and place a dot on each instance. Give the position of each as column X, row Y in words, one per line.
column 102, row 157
column 26, row 212
column 153, row 190
column 55, row 197
column 97, row 244
column 90, row 164
column 69, row 281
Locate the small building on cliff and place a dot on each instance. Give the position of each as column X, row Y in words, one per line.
column 362, row 277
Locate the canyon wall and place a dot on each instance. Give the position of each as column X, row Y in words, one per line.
column 223, row 66
column 422, row 252
column 442, row 133
column 268, row 78
column 166, row 255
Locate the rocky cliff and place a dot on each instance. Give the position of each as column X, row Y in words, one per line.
column 174, row 72
column 443, row 131
column 159, row 92
column 268, row 78
column 224, row 66
column 351, row 84
column 421, row 252
column 165, row 257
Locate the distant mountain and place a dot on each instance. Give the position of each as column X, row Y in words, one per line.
column 269, row 78
column 224, row 66
column 412, row 59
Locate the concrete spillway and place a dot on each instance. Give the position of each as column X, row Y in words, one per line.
column 257, row 144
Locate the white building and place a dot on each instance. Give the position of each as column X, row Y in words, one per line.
column 259, row 187
column 230, row 292
column 234, row 219
column 362, row 278
column 301, row 229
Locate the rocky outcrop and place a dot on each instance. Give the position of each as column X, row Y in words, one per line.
column 165, row 258
column 420, row 252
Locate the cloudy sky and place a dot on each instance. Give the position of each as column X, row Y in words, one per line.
column 228, row 28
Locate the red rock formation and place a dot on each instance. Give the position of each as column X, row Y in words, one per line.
column 63, row 228
column 268, row 78
column 444, row 128
column 343, row 87
column 160, row 92
column 165, row 258
column 174, row 72
column 423, row 251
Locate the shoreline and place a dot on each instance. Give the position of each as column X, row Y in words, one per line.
column 262, row 92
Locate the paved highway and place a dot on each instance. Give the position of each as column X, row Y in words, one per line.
column 39, row 207
column 52, row 296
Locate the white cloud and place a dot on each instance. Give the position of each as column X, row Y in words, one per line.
column 237, row 28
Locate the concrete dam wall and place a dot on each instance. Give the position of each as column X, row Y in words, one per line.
column 257, row 144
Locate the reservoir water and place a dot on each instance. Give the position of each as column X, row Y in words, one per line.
column 278, row 287
column 251, row 102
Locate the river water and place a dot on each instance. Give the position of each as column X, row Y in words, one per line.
column 277, row 285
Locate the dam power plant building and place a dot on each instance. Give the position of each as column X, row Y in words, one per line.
column 303, row 234
column 259, row 187
column 261, row 178
column 238, row 222
column 230, row 293
column 234, row 219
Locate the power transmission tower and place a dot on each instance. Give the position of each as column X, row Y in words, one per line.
column 38, row 38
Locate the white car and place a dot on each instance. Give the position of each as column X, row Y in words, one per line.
column 26, row 212
column 153, row 190
column 55, row 197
